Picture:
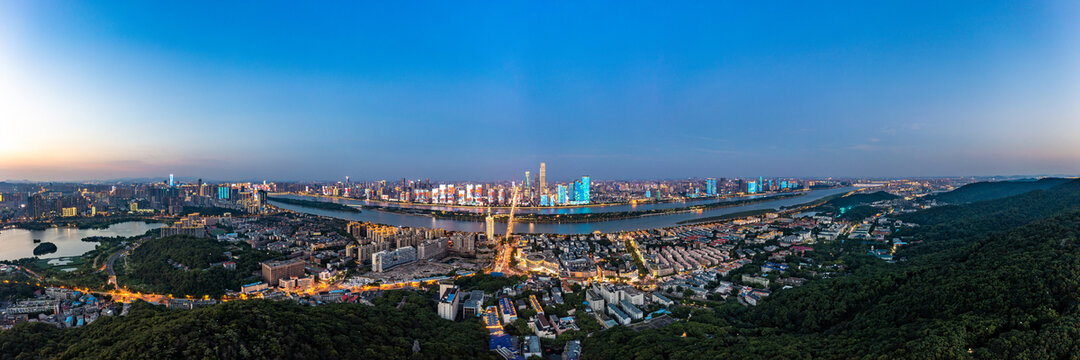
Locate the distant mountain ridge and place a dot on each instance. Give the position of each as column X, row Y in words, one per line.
column 982, row 191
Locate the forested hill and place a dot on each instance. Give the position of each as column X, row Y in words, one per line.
column 259, row 329
column 982, row 191
column 860, row 199
column 1003, row 289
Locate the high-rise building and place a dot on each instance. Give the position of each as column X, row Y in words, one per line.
column 223, row 193
column 170, row 180
column 751, row 187
column 273, row 271
column 528, row 192
column 384, row 260
column 490, row 222
column 583, row 190
column 710, row 186
column 561, row 194
column 543, row 179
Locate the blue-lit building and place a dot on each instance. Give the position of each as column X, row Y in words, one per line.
column 583, row 190
column 751, row 187
column 783, row 185
column 544, row 200
column 710, row 187
column 648, row 194
column 223, row 193
column 560, row 191
column 170, row 180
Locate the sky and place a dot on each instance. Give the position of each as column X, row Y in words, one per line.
column 486, row 90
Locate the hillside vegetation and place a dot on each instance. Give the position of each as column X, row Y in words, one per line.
column 997, row 279
column 259, row 329
column 982, row 191
column 182, row 265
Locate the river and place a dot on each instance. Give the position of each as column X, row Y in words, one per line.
column 608, row 226
column 586, row 209
column 19, row 243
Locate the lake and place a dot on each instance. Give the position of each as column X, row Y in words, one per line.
column 19, row 243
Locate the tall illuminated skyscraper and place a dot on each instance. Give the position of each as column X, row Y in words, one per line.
column 583, row 190
column 561, row 194
column 170, row 180
column 710, row 186
column 489, row 221
column 527, row 190
column 543, row 179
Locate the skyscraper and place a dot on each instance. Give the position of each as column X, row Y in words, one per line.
column 561, row 193
column 710, row 186
column 543, row 179
column 528, row 192
column 170, row 180
column 583, row 190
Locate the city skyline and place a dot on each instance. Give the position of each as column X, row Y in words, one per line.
column 108, row 91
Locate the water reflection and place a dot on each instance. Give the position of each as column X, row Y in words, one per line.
column 647, row 222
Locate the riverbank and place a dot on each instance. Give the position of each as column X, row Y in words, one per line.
column 83, row 223
column 655, row 221
column 646, row 201
column 565, row 218
column 315, row 204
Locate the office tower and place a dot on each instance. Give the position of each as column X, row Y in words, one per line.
column 346, row 180
column 543, row 179
column 751, row 187
column 583, row 190
column 170, row 180
column 489, row 221
column 526, row 190
column 710, row 186
column 223, row 193
column 561, row 194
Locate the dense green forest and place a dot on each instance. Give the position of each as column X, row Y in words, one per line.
column 859, row 213
column 260, row 329
column 995, row 279
column 44, row 248
column 860, row 199
column 991, row 190
column 181, row 265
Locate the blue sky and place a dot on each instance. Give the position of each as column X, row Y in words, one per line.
column 484, row 91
